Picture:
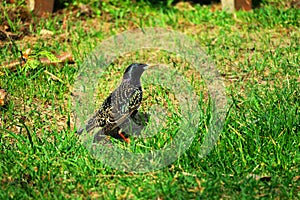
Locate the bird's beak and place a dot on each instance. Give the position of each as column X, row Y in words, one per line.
column 145, row 67
column 150, row 66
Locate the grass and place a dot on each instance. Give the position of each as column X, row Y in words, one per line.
column 257, row 155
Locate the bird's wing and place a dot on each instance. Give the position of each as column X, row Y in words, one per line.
column 123, row 103
column 99, row 119
column 135, row 99
column 119, row 105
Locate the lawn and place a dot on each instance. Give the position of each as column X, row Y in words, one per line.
column 256, row 53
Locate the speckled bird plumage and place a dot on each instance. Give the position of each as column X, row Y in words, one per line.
column 122, row 103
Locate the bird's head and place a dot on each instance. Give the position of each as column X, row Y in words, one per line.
column 134, row 71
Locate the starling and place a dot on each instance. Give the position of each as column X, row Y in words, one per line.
column 133, row 125
column 121, row 104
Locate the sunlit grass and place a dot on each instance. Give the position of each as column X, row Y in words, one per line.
column 257, row 155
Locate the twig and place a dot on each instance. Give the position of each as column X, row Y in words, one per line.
column 64, row 57
column 53, row 76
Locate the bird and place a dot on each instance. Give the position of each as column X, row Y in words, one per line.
column 121, row 105
column 133, row 125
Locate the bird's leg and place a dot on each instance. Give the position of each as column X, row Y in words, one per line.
column 123, row 137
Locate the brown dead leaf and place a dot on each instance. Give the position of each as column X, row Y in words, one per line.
column 3, row 97
column 295, row 4
column 216, row 6
column 296, row 178
column 26, row 53
column 184, row 6
column 259, row 177
column 46, row 33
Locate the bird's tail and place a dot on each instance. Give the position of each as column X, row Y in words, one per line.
column 88, row 127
